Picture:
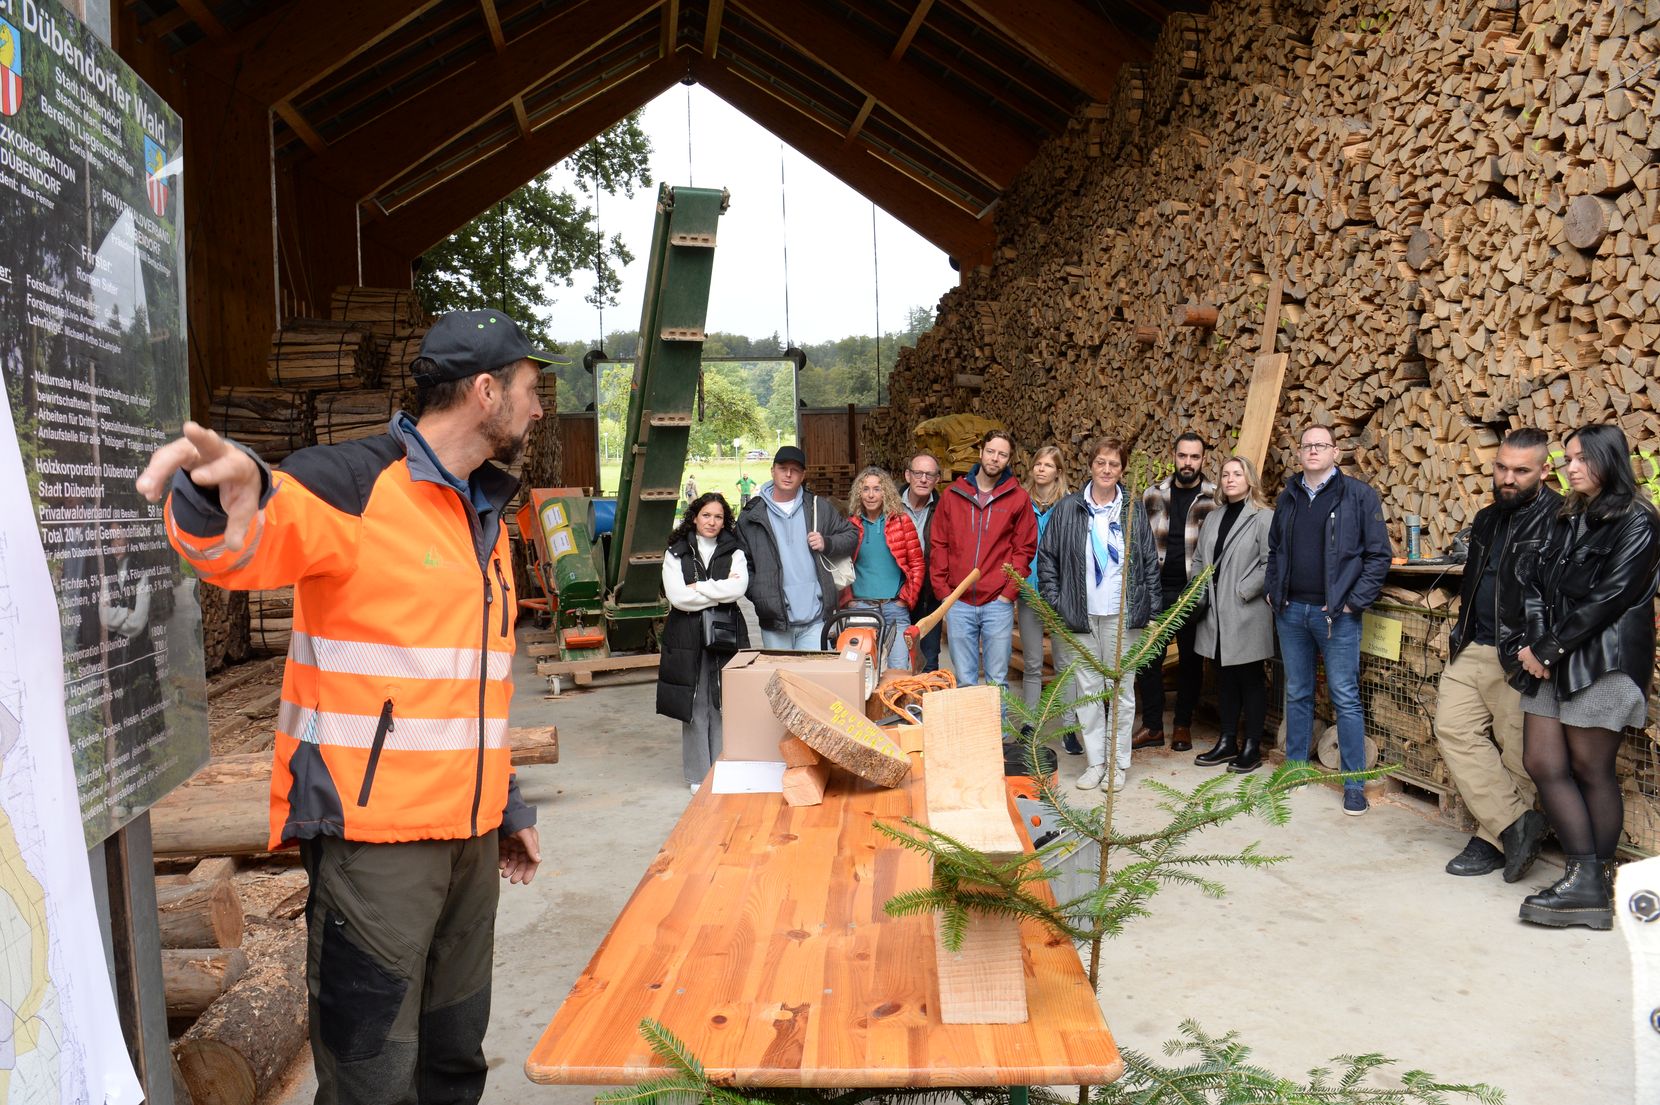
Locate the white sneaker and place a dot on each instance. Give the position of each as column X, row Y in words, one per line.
column 1120, row 779
column 694, row 787
column 1091, row 778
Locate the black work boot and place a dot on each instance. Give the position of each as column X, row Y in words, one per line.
column 1225, row 749
column 1249, row 758
column 1521, row 843
column 1579, row 897
column 1477, row 858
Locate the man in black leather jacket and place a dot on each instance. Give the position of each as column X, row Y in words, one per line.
column 1478, row 715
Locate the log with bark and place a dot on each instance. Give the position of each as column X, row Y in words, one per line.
column 199, row 914
column 241, row 1043
column 195, row 977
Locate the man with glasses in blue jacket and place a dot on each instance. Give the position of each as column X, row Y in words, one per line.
column 1328, row 552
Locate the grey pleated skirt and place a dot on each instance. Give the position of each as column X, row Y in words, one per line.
column 1612, row 702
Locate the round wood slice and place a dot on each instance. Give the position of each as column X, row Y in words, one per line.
column 1587, row 221
column 835, row 729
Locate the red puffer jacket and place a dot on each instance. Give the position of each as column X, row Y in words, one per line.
column 906, row 549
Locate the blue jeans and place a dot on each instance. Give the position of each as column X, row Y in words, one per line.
column 896, row 617
column 1304, row 637
column 981, row 639
column 806, row 638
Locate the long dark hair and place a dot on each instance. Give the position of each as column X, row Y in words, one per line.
column 687, row 529
column 1609, row 457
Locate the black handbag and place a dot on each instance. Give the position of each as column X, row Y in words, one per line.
column 720, row 628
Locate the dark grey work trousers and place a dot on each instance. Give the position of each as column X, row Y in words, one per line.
column 398, row 968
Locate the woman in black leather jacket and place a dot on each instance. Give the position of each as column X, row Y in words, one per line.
column 1588, row 604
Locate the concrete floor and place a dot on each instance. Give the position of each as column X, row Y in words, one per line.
column 1357, row 943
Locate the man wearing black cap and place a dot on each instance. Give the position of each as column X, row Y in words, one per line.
column 392, row 770
column 790, row 535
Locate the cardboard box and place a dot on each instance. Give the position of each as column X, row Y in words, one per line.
column 750, row 731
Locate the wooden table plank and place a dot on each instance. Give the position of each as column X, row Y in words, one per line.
column 757, row 937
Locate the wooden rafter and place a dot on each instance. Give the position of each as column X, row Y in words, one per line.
column 940, row 222
column 281, row 54
column 961, row 127
column 492, row 22
column 1065, row 37
column 711, row 27
column 374, row 155
column 520, row 117
column 911, row 28
column 671, row 26
column 297, row 123
column 427, row 219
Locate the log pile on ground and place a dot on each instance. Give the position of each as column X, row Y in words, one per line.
column 224, row 626
column 1460, row 203
column 273, row 422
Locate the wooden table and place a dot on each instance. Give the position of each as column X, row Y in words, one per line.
column 757, row 937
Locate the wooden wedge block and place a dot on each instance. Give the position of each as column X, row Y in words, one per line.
column 804, row 786
column 984, row 981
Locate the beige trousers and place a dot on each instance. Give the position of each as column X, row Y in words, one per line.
column 1478, row 724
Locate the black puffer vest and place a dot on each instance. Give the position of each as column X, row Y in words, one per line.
column 682, row 644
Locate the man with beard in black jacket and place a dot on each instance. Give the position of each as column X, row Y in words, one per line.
column 1478, row 716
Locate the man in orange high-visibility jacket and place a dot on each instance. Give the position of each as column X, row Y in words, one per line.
column 393, row 772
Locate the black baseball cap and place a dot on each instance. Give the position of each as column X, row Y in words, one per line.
column 462, row 344
column 790, row 454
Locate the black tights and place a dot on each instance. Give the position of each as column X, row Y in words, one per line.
column 1574, row 769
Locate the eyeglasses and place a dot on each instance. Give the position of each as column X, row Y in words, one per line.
column 1316, row 447
column 923, row 475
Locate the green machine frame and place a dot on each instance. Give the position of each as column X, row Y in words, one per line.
column 679, row 271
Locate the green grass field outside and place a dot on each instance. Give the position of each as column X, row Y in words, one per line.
column 713, row 475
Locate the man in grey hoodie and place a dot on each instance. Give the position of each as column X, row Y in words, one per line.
column 789, row 536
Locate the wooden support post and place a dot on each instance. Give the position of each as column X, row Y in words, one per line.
column 984, row 981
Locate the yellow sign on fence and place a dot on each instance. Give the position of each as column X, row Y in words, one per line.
column 1380, row 636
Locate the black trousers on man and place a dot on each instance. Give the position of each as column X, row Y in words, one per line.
column 1190, row 678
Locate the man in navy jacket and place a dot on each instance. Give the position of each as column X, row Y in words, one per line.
column 1328, row 551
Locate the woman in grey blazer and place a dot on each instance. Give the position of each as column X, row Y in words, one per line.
column 1237, row 630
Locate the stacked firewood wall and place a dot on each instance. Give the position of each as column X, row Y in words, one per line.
column 1458, row 199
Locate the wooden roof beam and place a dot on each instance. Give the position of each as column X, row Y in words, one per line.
column 367, row 159
column 671, row 27
column 1066, row 37
column 298, row 124
column 937, row 220
column 492, row 23
column 911, row 28
column 711, row 27
column 962, row 127
column 432, row 216
column 281, row 54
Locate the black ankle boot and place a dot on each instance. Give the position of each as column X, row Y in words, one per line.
column 1579, row 897
column 1224, row 750
column 1249, row 758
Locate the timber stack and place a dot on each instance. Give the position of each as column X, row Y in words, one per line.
column 273, row 422
column 321, row 355
column 270, row 621
column 350, row 415
column 1457, row 204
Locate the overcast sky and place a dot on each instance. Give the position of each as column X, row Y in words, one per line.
column 832, row 279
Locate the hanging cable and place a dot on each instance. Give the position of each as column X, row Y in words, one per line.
column 599, row 270
column 876, row 293
column 783, row 237
column 689, row 179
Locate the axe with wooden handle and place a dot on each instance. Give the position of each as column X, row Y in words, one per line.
column 915, row 633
